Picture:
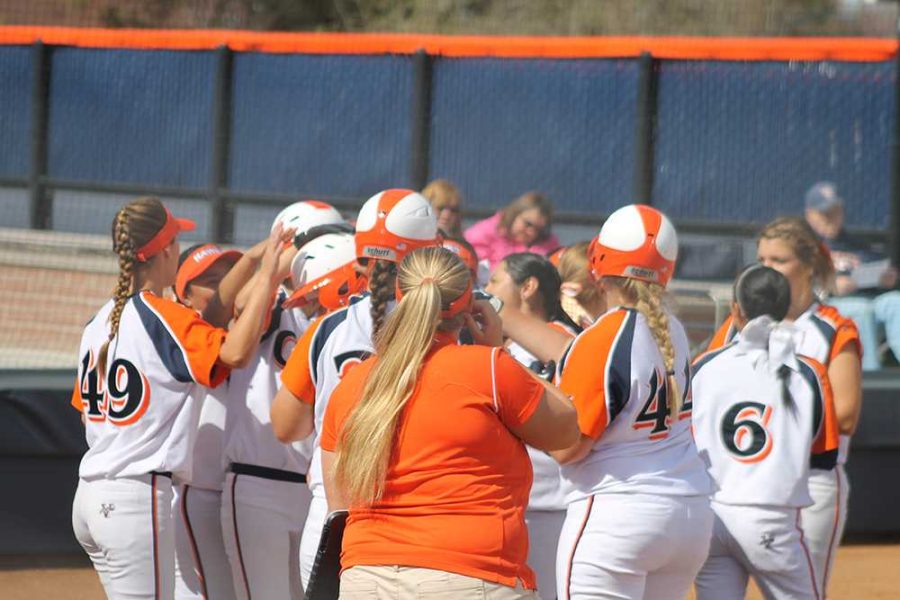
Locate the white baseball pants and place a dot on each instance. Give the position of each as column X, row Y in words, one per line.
column 823, row 522
column 312, row 533
column 765, row 542
column 634, row 546
column 125, row 526
column 202, row 571
column 544, row 527
column 261, row 522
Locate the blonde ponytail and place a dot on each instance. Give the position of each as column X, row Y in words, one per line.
column 648, row 300
column 429, row 278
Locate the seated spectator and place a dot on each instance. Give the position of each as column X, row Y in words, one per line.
column 447, row 204
column 522, row 226
column 873, row 308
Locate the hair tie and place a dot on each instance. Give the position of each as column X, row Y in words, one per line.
column 671, row 373
column 426, row 280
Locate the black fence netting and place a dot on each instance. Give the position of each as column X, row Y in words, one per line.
column 228, row 138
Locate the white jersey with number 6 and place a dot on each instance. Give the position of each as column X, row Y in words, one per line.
column 759, row 445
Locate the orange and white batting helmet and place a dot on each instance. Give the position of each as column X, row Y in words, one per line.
column 303, row 216
column 463, row 252
column 326, row 266
column 637, row 242
column 393, row 223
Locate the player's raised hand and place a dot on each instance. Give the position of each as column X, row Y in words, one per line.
column 484, row 324
column 275, row 247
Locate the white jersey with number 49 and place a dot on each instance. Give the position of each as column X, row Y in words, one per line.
column 759, row 446
column 141, row 413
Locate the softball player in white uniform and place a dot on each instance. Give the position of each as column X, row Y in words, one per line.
column 390, row 225
column 145, row 365
column 789, row 246
column 760, row 411
column 530, row 283
column 202, row 570
column 266, row 497
column 638, row 522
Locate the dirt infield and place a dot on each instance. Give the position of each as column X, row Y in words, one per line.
column 862, row 572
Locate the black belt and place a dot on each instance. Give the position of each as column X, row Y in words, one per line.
column 267, row 473
column 162, row 474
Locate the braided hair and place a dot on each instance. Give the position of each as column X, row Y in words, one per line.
column 381, row 284
column 648, row 300
column 133, row 226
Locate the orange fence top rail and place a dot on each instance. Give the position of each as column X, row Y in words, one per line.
column 685, row 48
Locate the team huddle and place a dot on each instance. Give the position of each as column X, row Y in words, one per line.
column 541, row 434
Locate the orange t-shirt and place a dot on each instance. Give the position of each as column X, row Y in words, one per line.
column 458, row 482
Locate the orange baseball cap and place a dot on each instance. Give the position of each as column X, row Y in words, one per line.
column 197, row 262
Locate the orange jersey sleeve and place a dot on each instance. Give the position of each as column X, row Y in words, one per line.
column 188, row 345
column 76, row 401
column 344, row 397
column 584, row 373
column 517, row 392
column 827, row 438
column 296, row 375
column 723, row 335
column 845, row 332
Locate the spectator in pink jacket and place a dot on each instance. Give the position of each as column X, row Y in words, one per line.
column 522, row 226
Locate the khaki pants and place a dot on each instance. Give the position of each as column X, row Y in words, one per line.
column 400, row 583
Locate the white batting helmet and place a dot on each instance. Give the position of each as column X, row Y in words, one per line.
column 326, row 265
column 305, row 215
column 394, row 222
column 637, row 242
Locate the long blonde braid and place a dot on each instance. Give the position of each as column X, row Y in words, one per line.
column 648, row 300
column 133, row 226
column 124, row 248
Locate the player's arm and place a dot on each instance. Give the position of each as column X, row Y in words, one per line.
column 544, row 341
column 332, row 492
column 845, row 376
column 292, row 409
column 220, row 308
column 553, row 424
column 583, row 379
column 292, row 418
column 243, row 338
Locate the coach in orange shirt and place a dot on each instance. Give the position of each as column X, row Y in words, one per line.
column 424, row 444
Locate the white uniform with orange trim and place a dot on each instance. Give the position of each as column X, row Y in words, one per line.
column 638, row 522
column 202, row 570
column 331, row 345
column 140, row 423
column 758, row 448
column 547, row 502
column 824, row 333
column 266, row 497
